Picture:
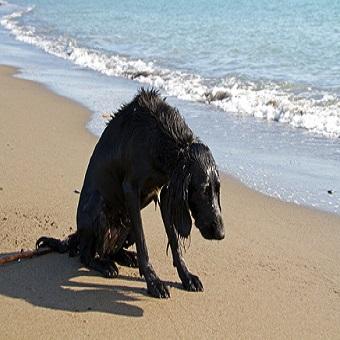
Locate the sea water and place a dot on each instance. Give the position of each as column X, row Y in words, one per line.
column 258, row 81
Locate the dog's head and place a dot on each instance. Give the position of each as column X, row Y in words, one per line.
column 204, row 193
column 194, row 186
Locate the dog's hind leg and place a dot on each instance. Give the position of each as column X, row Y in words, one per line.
column 190, row 281
column 91, row 224
column 91, row 260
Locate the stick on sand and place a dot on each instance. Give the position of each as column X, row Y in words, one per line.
column 24, row 254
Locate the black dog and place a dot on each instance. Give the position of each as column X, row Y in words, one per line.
column 146, row 148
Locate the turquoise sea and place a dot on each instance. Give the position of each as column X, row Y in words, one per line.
column 259, row 81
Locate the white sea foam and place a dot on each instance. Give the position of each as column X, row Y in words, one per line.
column 316, row 111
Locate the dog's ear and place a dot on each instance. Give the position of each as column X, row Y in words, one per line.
column 174, row 201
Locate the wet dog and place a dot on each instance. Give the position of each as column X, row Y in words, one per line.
column 146, row 153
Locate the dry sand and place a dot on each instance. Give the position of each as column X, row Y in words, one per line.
column 276, row 275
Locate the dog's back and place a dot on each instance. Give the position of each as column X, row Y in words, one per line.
column 145, row 132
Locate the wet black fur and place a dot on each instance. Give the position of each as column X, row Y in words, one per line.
column 145, row 149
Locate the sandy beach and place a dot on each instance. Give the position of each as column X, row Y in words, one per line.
column 275, row 275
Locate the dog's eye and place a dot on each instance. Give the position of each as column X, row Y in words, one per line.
column 207, row 189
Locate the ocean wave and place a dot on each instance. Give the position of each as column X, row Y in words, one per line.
column 315, row 111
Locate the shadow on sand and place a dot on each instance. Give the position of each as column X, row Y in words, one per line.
column 57, row 282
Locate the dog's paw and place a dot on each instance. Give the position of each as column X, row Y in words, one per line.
column 192, row 283
column 42, row 242
column 110, row 271
column 158, row 289
column 53, row 243
column 126, row 258
column 106, row 268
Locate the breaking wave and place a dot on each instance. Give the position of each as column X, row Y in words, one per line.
column 315, row 110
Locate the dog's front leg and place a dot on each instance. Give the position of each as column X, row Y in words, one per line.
column 155, row 286
column 190, row 281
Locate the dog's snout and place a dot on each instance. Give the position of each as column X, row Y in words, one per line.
column 220, row 234
column 213, row 231
column 219, row 229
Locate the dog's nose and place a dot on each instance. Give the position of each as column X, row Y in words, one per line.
column 220, row 234
column 219, row 228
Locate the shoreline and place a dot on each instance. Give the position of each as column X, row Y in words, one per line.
column 265, row 153
column 275, row 275
column 19, row 71
column 288, row 169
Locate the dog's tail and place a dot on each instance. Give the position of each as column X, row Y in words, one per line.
column 71, row 244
